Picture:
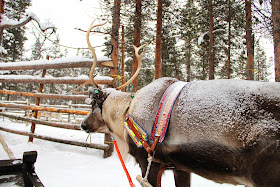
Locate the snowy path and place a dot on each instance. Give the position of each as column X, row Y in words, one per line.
column 60, row 165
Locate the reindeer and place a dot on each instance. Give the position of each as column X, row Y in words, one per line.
column 223, row 130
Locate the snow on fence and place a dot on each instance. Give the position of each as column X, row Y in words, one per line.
column 54, row 64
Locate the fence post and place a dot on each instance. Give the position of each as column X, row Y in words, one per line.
column 108, row 140
column 38, row 99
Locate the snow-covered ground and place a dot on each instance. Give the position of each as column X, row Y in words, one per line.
column 65, row 165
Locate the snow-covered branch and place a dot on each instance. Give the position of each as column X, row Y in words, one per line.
column 201, row 37
column 8, row 23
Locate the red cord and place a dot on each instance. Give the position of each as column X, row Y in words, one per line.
column 123, row 165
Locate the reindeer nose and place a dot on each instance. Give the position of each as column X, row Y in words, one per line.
column 84, row 126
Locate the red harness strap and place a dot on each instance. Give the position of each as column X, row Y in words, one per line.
column 139, row 136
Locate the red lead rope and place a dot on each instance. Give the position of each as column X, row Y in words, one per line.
column 123, row 165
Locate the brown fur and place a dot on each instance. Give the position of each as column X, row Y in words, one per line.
column 224, row 130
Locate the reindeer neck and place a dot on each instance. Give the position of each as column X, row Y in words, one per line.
column 114, row 110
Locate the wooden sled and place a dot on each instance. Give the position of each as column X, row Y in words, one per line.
column 20, row 172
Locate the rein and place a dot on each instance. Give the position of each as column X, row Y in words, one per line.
column 123, row 165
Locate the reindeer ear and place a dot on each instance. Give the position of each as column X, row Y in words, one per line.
column 88, row 101
column 97, row 95
column 91, row 90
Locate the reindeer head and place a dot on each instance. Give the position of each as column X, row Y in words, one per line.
column 94, row 122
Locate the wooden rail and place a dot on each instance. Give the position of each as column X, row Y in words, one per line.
column 82, row 144
column 58, row 110
column 37, row 121
column 50, row 64
column 39, row 80
column 46, row 96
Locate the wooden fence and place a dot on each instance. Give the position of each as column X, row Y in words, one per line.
column 55, row 64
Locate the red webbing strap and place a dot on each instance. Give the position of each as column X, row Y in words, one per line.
column 123, row 165
column 138, row 135
column 163, row 114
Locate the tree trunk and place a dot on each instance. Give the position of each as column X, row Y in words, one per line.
column 189, row 47
column 1, row 29
column 203, row 67
column 136, row 38
column 229, row 38
column 211, row 42
column 276, row 37
column 115, row 36
column 123, row 57
column 158, row 41
column 189, row 61
column 249, row 41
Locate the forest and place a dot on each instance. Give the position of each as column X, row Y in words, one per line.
column 187, row 39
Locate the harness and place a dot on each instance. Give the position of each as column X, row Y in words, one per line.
column 160, row 125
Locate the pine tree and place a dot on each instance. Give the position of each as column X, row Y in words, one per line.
column 189, row 30
column 13, row 38
column 172, row 58
column 261, row 63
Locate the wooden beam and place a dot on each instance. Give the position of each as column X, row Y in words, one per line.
column 38, row 100
column 25, row 107
column 6, row 148
column 46, row 96
column 52, row 64
column 38, row 80
column 37, row 121
column 82, row 144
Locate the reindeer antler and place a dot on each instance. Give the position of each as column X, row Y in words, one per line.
column 139, row 59
column 91, row 77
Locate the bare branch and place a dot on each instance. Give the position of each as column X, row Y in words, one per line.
column 8, row 23
column 100, row 32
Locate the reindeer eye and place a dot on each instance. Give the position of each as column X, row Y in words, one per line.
column 88, row 101
column 96, row 91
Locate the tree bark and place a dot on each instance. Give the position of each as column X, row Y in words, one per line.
column 211, row 42
column 189, row 61
column 136, row 38
column 115, row 36
column 249, row 40
column 203, row 67
column 276, row 37
column 158, row 72
column 189, row 47
column 229, row 39
column 123, row 57
column 1, row 28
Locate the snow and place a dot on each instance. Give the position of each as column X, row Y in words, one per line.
column 43, row 26
column 55, row 61
column 6, row 22
column 98, row 77
column 201, row 38
column 71, row 166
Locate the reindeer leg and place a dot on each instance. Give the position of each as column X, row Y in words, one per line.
column 155, row 174
column 182, row 178
column 159, row 175
column 154, row 177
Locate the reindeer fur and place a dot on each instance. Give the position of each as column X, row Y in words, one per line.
column 224, row 130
